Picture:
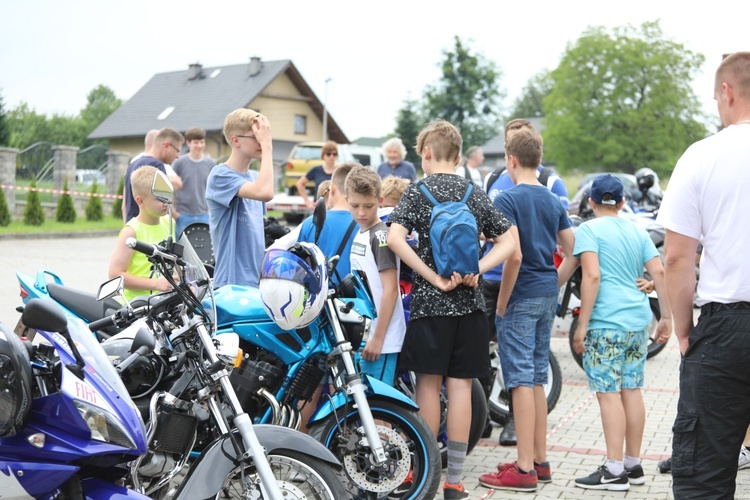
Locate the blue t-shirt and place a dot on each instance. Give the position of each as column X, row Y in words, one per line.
column 317, row 175
column 236, row 227
column 335, row 227
column 623, row 249
column 503, row 183
column 405, row 170
column 539, row 216
column 131, row 207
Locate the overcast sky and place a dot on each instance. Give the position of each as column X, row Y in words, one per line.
column 377, row 54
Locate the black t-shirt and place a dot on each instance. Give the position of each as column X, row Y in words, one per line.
column 413, row 212
column 131, row 208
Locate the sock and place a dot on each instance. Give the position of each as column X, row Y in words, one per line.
column 456, row 457
column 615, row 467
column 631, row 462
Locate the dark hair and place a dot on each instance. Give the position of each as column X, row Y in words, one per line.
column 194, row 134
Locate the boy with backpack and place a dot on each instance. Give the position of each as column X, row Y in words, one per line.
column 525, row 308
column 447, row 331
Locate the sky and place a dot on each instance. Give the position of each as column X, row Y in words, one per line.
column 376, row 54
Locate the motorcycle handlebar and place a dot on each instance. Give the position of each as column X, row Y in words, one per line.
column 131, row 359
column 103, row 323
column 149, row 249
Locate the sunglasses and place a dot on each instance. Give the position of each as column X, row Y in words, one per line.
column 330, row 153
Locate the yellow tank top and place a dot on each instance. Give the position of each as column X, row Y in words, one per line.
column 139, row 264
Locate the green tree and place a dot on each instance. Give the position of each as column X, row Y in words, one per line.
column 467, row 95
column 100, row 103
column 117, row 202
column 66, row 211
column 408, row 124
column 94, row 210
column 531, row 101
column 4, row 210
column 33, row 214
column 4, row 131
column 622, row 100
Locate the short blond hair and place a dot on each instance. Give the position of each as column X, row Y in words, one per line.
column 363, row 181
column 323, row 189
column 735, row 70
column 443, row 138
column 142, row 179
column 238, row 122
column 338, row 178
column 394, row 187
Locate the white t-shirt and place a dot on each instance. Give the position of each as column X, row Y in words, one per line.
column 476, row 175
column 370, row 253
column 708, row 199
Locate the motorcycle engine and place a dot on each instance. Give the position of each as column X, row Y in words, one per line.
column 259, row 370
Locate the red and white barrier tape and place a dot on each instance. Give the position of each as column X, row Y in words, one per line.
column 572, row 414
column 60, row 191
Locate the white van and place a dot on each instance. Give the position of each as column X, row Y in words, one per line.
column 369, row 156
column 89, row 176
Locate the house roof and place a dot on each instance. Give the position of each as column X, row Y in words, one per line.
column 203, row 101
column 496, row 145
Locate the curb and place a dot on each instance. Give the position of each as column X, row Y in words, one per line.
column 57, row 235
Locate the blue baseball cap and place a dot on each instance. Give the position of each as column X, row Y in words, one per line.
column 604, row 184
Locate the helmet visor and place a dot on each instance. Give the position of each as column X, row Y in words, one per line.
column 284, row 265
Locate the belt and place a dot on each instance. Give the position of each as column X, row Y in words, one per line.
column 714, row 307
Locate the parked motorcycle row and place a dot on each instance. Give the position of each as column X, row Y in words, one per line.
column 196, row 393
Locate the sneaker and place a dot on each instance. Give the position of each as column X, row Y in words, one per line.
column 602, row 479
column 636, row 475
column 744, row 460
column 510, row 478
column 454, row 491
column 665, row 466
column 543, row 470
column 508, row 436
column 404, row 488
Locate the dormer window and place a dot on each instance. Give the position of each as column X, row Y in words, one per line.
column 164, row 114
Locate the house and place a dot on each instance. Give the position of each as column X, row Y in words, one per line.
column 494, row 149
column 203, row 97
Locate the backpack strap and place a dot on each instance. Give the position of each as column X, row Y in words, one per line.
column 494, row 176
column 465, row 199
column 544, row 176
column 427, row 193
column 343, row 243
column 467, row 174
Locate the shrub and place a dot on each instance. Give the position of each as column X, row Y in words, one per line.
column 94, row 210
column 33, row 215
column 66, row 211
column 4, row 210
column 117, row 202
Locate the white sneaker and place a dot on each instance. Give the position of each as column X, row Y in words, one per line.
column 744, row 461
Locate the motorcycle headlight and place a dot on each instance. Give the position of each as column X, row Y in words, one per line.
column 228, row 349
column 104, row 426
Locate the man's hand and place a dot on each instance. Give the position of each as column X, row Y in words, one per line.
column 663, row 330
column 448, row 284
column 372, row 349
column 579, row 339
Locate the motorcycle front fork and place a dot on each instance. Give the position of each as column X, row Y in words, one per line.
column 355, row 387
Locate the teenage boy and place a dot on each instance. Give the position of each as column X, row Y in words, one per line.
column 193, row 168
column 526, row 307
column 612, row 325
column 235, row 196
column 150, row 226
column 447, row 332
column 371, row 254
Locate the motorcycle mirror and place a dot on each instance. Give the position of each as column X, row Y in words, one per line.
column 319, row 217
column 163, row 191
column 44, row 314
column 110, row 288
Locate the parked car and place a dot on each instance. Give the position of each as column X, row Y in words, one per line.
column 303, row 157
column 89, row 176
column 369, row 156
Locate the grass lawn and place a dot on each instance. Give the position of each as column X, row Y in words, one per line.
column 52, row 226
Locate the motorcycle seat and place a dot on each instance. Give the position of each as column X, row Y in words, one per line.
column 83, row 304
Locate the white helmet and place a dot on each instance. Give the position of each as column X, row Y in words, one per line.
column 294, row 284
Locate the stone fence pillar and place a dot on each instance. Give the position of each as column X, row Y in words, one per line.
column 117, row 164
column 8, row 175
column 64, row 168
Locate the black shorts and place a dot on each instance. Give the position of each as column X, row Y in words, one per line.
column 452, row 346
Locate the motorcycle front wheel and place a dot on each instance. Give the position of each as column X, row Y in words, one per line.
column 299, row 477
column 498, row 403
column 654, row 347
column 409, row 445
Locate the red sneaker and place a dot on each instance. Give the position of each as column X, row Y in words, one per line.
column 543, row 470
column 510, row 479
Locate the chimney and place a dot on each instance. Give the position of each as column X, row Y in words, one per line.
column 195, row 71
column 255, row 66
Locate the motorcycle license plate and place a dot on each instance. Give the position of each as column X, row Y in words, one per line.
column 24, row 331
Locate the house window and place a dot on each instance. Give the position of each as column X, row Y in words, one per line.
column 300, row 124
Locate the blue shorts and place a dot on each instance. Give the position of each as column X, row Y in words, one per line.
column 523, row 338
column 615, row 360
column 384, row 369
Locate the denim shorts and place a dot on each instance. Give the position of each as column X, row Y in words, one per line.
column 523, row 338
column 615, row 360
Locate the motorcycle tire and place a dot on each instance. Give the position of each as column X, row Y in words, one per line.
column 654, row 347
column 498, row 402
column 299, row 476
column 403, row 431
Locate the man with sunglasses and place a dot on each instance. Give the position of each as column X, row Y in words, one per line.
column 165, row 149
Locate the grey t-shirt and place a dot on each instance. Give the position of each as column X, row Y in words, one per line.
column 191, row 199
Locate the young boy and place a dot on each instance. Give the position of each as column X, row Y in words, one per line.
column 447, row 331
column 371, row 254
column 150, row 226
column 612, row 328
column 526, row 307
column 235, row 196
column 193, row 168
